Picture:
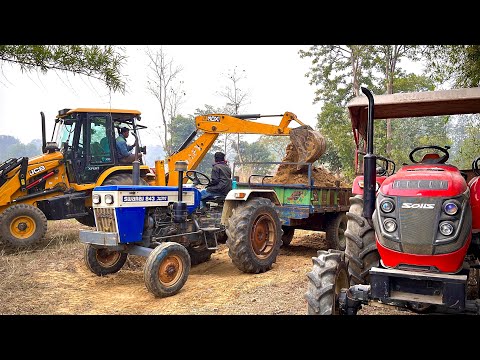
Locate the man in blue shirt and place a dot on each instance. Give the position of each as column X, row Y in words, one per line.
column 123, row 149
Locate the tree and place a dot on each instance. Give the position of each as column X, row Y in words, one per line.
column 387, row 59
column 254, row 152
column 337, row 72
column 181, row 127
column 161, row 84
column 459, row 64
column 102, row 62
column 236, row 99
column 275, row 145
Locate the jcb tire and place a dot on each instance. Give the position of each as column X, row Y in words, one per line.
column 199, row 254
column 328, row 276
column 361, row 250
column 22, row 226
column 335, row 231
column 254, row 236
column 287, row 236
column 122, row 179
column 102, row 261
column 166, row 269
column 87, row 220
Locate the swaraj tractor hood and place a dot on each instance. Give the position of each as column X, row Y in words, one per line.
column 425, row 180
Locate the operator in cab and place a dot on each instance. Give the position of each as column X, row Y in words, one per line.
column 220, row 180
column 123, row 149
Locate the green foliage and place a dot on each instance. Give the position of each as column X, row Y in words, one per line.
column 334, row 124
column 466, row 140
column 13, row 148
column 102, row 62
column 181, row 127
column 275, row 145
column 254, row 152
column 459, row 64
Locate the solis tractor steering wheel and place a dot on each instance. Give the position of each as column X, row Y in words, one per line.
column 440, row 160
column 475, row 166
column 193, row 176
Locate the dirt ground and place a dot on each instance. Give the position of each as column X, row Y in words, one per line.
column 52, row 279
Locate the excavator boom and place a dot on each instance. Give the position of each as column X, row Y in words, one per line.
column 310, row 144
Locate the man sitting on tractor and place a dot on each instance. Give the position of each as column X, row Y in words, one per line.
column 220, row 179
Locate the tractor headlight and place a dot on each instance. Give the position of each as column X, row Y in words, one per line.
column 387, row 206
column 390, row 225
column 450, row 208
column 446, row 228
column 96, row 199
column 108, row 199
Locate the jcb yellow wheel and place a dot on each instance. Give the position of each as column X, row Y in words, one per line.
column 22, row 225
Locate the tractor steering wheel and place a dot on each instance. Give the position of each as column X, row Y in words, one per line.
column 440, row 160
column 475, row 168
column 193, row 175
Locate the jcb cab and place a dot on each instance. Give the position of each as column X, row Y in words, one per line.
column 57, row 184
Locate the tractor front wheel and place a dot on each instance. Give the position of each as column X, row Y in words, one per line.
column 254, row 235
column 166, row 269
column 22, row 226
column 361, row 249
column 102, row 261
column 328, row 277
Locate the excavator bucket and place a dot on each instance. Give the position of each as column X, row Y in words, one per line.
column 307, row 143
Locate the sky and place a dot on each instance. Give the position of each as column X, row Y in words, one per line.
column 275, row 80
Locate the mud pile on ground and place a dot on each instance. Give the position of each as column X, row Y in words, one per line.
column 289, row 174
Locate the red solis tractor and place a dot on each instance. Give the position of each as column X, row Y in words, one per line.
column 413, row 236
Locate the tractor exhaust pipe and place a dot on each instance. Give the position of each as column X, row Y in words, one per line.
column 369, row 162
column 180, row 208
column 44, row 135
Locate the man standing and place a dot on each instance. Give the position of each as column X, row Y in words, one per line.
column 220, row 180
column 123, row 149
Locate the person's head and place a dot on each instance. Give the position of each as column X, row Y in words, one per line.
column 125, row 132
column 219, row 156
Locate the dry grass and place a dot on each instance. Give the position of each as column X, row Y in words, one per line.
column 52, row 279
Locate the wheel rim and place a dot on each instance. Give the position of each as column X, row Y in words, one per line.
column 22, row 227
column 341, row 282
column 342, row 240
column 107, row 258
column 263, row 236
column 170, row 270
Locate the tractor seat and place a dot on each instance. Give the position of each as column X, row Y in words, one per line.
column 430, row 158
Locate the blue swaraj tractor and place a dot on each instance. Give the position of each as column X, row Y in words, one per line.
column 162, row 223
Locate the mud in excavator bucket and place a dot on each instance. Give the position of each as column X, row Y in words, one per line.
column 308, row 143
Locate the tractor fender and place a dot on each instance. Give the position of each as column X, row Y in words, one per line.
column 236, row 197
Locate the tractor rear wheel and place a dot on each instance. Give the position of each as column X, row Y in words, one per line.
column 335, row 231
column 122, row 179
column 102, row 261
column 254, row 235
column 328, row 277
column 361, row 249
column 199, row 254
column 166, row 269
column 22, row 225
